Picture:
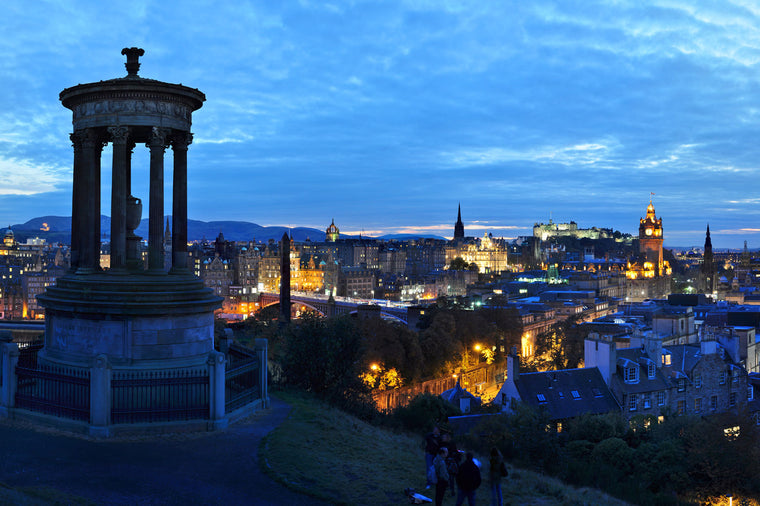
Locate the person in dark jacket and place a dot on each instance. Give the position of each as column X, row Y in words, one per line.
column 441, row 475
column 468, row 479
column 495, row 466
column 432, row 444
column 453, row 459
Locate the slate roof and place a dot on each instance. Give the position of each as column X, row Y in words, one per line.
column 567, row 393
column 454, row 394
column 645, row 384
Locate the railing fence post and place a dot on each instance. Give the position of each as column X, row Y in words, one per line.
column 8, row 364
column 100, row 396
column 260, row 346
column 216, row 363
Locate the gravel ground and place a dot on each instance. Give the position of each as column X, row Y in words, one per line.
column 202, row 468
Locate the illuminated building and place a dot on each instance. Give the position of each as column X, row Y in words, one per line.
column 490, row 255
column 546, row 231
column 9, row 239
column 332, row 233
column 649, row 274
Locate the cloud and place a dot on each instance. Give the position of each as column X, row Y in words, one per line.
column 22, row 177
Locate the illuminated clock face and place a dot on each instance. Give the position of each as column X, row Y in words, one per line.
column 649, row 231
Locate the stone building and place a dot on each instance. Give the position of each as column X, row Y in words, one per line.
column 545, row 231
column 651, row 379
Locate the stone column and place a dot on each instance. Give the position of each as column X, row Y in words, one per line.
column 77, row 213
column 260, row 345
column 180, row 142
column 216, row 365
column 88, row 195
column 284, row 280
column 119, row 193
column 130, row 148
column 157, row 145
column 8, row 361
column 96, row 233
column 100, row 396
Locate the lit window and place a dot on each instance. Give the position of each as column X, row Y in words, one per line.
column 666, row 358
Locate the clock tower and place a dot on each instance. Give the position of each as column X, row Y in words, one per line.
column 650, row 239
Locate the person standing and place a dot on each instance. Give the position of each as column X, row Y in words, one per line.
column 441, row 475
column 468, row 480
column 453, row 460
column 495, row 474
column 432, row 444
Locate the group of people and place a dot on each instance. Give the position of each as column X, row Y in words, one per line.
column 445, row 470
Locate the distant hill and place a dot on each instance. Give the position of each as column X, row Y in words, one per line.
column 409, row 237
column 58, row 229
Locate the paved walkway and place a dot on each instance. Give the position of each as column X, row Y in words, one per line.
column 203, row 469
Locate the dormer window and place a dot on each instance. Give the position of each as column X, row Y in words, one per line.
column 651, row 369
column 666, row 359
column 631, row 374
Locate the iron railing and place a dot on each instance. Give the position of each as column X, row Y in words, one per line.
column 159, row 396
column 51, row 389
column 242, row 383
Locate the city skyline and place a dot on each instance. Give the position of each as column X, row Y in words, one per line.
column 386, row 116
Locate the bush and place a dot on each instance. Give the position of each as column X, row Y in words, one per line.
column 423, row 412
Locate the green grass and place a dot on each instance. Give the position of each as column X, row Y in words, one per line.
column 333, row 456
column 39, row 496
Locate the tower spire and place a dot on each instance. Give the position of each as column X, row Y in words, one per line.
column 459, row 226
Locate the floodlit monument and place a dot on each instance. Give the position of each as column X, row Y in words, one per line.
column 131, row 345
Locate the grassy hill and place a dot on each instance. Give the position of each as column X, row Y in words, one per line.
column 333, row 456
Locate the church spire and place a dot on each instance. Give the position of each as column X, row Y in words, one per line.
column 459, row 226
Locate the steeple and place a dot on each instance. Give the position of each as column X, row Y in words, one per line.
column 708, row 265
column 459, row 226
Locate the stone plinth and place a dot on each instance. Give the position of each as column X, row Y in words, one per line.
column 137, row 320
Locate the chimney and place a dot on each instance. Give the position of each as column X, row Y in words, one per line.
column 653, row 346
column 513, row 365
column 708, row 345
column 599, row 352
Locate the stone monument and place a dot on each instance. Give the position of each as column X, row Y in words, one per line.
column 127, row 318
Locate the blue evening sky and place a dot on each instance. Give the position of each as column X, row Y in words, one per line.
column 385, row 115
